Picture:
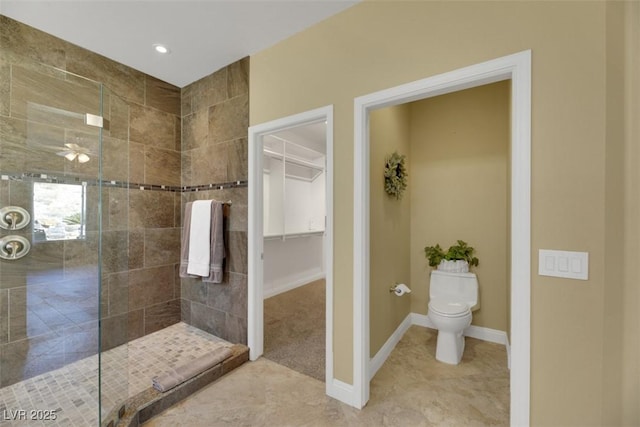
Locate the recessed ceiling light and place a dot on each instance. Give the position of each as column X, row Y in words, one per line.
column 161, row 48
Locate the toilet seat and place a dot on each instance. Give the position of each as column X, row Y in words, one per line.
column 449, row 309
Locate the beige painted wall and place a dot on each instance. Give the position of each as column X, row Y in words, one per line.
column 376, row 45
column 459, row 162
column 390, row 223
column 457, row 149
column 630, row 17
column 614, row 218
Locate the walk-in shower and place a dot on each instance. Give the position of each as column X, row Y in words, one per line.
column 97, row 162
column 58, row 360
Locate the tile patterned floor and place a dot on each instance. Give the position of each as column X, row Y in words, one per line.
column 50, row 322
column 411, row 389
column 72, row 391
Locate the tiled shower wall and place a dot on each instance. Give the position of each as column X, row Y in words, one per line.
column 141, row 291
column 215, row 118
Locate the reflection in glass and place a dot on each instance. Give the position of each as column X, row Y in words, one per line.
column 73, row 152
column 54, row 324
column 59, row 211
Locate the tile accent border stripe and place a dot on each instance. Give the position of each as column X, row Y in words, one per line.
column 43, row 177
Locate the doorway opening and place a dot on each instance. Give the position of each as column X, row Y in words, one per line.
column 517, row 68
column 291, row 242
column 456, row 149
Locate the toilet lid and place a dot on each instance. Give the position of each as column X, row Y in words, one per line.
column 450, row 309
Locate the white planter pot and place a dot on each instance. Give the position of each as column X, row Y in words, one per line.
column 456, row 266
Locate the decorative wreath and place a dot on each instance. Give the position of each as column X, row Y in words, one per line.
column 395, row 175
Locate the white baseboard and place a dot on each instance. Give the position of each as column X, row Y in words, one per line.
column 291, row 283
column 385, row 351
column 473, row 331
column 486, row 334
column 346, row 393
column 421, row 320
column 508, row 346
column 478, row 332
column 343, row 392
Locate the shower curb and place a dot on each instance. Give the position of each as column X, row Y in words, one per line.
column 150, row 402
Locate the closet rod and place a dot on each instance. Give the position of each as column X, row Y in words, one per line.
column 290, row 159
column 228, row 202
column 297, row 145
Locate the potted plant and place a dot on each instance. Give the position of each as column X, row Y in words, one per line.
column 456, row 259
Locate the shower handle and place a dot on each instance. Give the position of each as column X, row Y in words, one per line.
column 14, row 218
column 14, row 247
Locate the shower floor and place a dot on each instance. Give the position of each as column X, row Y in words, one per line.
column 70, row 394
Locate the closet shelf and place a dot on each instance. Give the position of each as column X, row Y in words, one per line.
column 294, row 235
column 297, row 168
column 294, row 189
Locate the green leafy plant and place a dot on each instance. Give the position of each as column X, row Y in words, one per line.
column 460, row 251
column 75, row 218
column 434, row 254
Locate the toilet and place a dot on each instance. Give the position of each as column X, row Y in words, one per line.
column 452, row 298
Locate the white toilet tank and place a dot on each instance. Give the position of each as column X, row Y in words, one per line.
column 454, row 287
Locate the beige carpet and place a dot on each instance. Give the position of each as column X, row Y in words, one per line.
column 294, row 329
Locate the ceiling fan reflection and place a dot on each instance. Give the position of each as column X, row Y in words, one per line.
column 75, row 152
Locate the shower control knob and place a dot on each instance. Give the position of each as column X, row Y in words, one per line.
column 14, row 218
column 14, row 247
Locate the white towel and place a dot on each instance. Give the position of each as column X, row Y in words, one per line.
column 200, row 238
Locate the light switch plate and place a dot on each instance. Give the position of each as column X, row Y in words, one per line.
column 567, row 264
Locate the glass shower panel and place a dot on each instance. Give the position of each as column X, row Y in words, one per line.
column 114, row 330
column 51, row 295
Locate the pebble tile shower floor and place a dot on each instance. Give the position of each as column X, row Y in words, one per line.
column 72, row 391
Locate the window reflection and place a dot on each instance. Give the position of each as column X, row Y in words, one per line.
column 59, row 211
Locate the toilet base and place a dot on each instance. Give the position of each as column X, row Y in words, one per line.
column 449, row 347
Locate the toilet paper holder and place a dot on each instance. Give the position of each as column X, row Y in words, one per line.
column 400, row 289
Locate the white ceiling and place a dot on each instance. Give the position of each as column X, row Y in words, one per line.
column 203, row 36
